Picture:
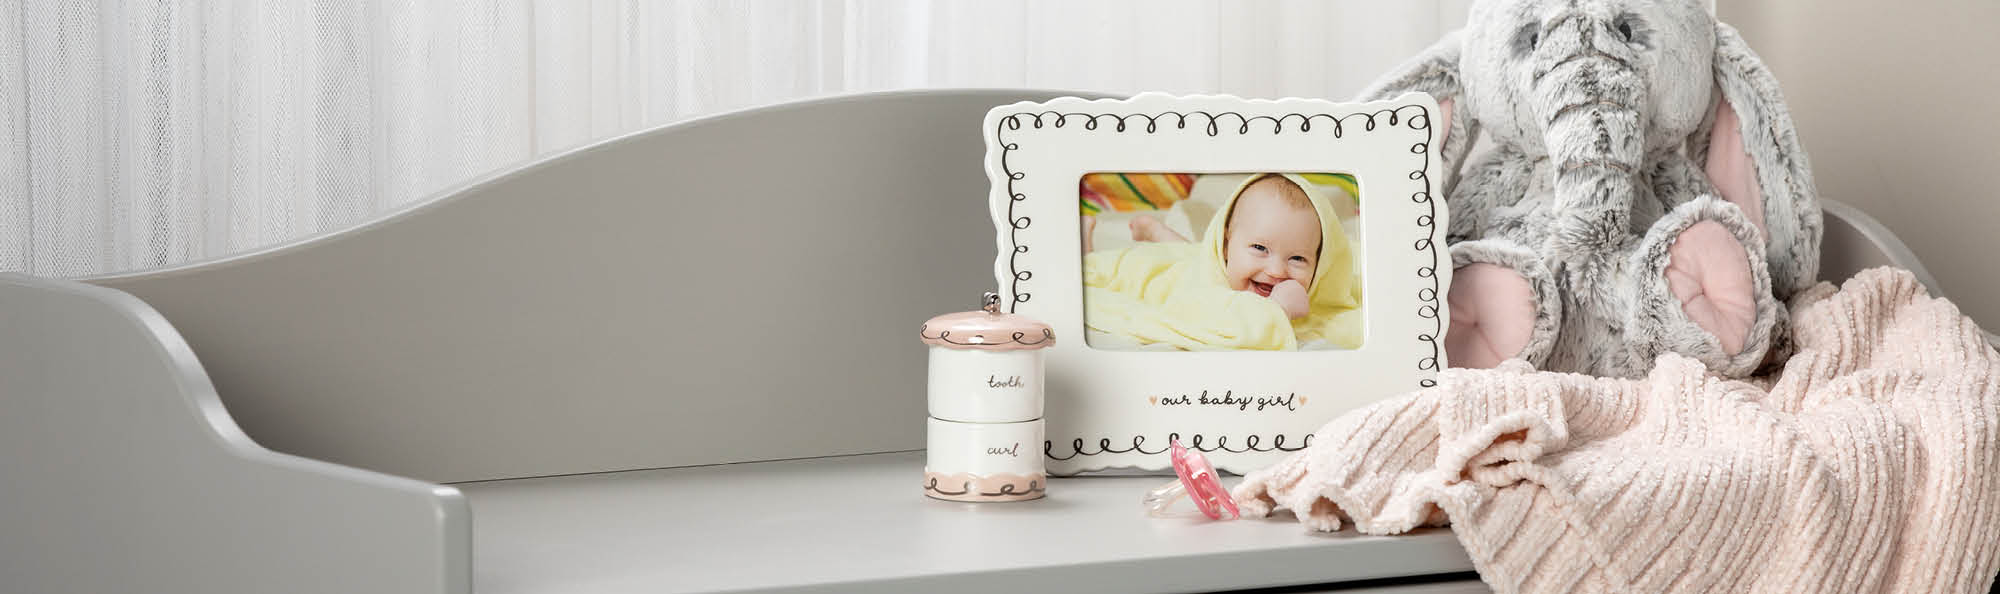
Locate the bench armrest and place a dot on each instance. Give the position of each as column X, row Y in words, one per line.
column 120, row 471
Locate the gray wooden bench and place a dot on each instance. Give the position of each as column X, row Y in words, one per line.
column 582, row 375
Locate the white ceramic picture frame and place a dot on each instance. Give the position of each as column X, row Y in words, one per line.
column 1119, row 409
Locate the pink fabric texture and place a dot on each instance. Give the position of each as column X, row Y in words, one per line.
column 1729, row 166
column 1444, row 117
column 1492, row 315
column 1709, row 271
column 1869, row 463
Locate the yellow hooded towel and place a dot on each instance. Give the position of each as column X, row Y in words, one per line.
column 1178, row 294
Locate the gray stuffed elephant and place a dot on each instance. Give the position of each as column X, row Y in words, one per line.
column 1644, row 191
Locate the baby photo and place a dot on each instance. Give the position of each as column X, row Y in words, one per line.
column 1221, row 261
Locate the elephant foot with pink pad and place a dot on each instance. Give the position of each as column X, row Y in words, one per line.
column 1503, row 306
column 1701, row 294
column 1705, row 289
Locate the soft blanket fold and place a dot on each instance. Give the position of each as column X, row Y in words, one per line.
column 1867, row 464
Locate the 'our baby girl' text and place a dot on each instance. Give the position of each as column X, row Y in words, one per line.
column 1229, row 399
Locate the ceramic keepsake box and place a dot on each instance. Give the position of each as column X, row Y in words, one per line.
column 985, row 433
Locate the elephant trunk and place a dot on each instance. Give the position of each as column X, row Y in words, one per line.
column 1590, row 100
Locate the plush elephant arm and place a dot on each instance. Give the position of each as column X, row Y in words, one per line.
column 1485, row 203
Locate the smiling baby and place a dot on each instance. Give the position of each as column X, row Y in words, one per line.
column 1274, row 269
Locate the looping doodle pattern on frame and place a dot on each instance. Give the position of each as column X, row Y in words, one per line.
column 1216, row 124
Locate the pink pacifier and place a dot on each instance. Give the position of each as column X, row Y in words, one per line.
column 1197, row 481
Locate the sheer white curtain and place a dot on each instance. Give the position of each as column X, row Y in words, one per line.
column 143, row 133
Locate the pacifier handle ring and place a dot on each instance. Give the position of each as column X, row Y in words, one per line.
column 1162, row 497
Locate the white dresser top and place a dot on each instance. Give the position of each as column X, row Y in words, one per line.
column 861, row 523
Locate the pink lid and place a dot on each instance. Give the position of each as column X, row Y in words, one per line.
column 988, row 329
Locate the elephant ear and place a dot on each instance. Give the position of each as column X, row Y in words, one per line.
column 1435, row 71
column 1751, row 153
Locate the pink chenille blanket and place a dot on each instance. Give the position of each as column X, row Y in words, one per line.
column 1867, row 465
